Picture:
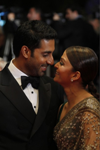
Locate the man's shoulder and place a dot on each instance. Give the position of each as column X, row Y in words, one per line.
column 47, row 79
column 54, row 84
column 56, row 88
column 50, row 80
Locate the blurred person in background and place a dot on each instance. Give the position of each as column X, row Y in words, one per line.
column 2, row 41
column 34, row 13
column 93, row 19
column 9, row 30
column 57, row 23
column 76, row 30
column 95, row 22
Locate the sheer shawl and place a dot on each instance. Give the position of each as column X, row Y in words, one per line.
column 80, row 128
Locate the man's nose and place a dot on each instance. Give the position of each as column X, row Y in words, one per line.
column 50, row 60
column 56, row 65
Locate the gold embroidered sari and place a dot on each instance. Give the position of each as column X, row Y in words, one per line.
column 80, row 128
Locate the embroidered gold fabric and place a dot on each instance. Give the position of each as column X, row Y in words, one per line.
column 80, row 128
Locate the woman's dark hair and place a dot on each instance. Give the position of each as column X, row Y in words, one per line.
column 30, row 33
column 84, row 60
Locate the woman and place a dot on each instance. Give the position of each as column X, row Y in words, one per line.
column 78, row 127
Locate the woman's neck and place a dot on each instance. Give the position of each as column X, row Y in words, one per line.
column 76, row 96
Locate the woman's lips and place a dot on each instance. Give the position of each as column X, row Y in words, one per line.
column 56, row 73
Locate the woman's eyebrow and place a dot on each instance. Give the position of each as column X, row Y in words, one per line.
column 62, row 59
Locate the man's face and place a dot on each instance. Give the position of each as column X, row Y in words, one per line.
column 33, row 15
column 69, row 14
column 41, row 58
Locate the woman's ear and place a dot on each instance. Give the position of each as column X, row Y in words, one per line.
column 76, row 75
column 25, row 51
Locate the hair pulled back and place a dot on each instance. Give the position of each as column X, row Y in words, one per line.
column 84, row 60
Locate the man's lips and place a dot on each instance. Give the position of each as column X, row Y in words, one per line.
column 44, row 68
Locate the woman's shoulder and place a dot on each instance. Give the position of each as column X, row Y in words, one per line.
column 90, row 104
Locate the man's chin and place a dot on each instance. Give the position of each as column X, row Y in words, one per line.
column 42, row 73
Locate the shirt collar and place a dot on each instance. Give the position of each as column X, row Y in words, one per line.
column 16, row 72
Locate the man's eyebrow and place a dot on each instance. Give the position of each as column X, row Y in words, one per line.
column 46, row 52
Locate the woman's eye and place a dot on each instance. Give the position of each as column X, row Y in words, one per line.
column 61, row 63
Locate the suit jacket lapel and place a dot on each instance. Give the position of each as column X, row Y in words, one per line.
column 44, row 101
column 15, row 95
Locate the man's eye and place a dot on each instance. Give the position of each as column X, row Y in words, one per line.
column 45, row 55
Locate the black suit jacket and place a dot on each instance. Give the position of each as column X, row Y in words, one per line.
column 20, row 127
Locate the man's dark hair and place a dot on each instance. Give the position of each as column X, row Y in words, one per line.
column 38, row 10
column 30, row 33
column 74, row 8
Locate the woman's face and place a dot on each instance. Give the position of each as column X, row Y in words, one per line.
column 64, row 71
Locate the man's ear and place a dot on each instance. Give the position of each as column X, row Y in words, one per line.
column 76, row 75
column 25, row 51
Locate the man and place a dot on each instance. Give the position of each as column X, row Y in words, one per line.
column 34, row 14
column 9, row 29
column 76, row 30
column 28, row 112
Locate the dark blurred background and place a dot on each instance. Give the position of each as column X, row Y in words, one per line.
column 21, row 7
column 48, row 5
column 90, row 10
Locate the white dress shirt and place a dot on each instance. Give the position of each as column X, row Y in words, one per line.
column 31, row 93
